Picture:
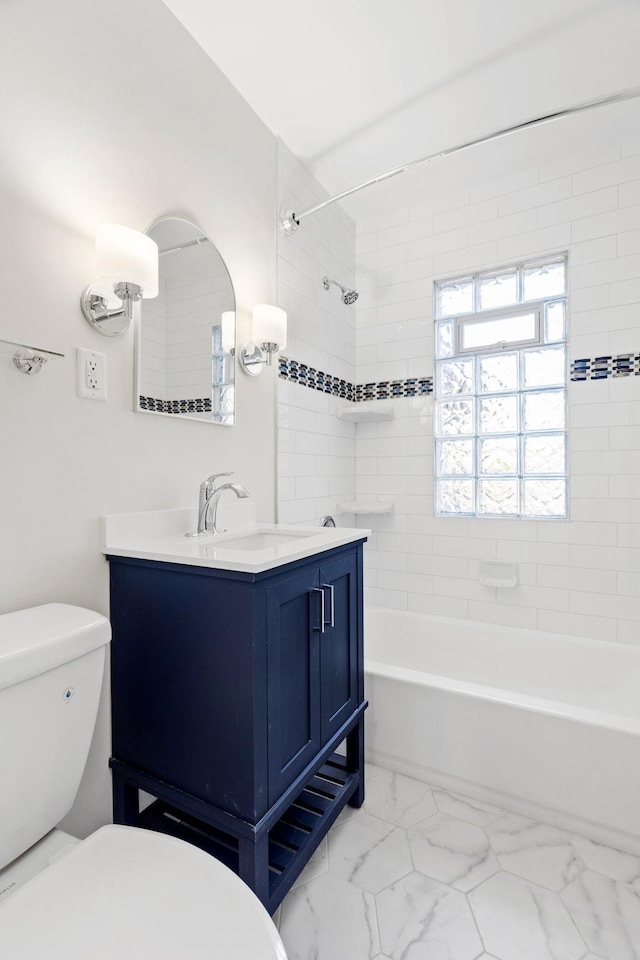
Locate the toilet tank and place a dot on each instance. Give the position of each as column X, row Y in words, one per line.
column 51, row 667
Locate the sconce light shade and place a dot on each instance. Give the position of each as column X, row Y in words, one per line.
column 127, row 268
column 270, row 325
column 125, row 255
column 269, row 336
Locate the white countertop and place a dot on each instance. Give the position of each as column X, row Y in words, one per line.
column 160, row 536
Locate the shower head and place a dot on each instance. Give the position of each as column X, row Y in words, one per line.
column 348, row 296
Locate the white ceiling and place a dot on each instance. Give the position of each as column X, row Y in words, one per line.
column 355, row 87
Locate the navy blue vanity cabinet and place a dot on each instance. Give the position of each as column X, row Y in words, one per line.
column 293, row 666
column 339, row 666
column 230, row 694
column 313, row 687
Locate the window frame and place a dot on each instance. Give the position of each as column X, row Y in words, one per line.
column 518, row 268
column 483, row 316
column 458, row 322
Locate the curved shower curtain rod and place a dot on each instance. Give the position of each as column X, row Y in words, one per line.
column 290, row 221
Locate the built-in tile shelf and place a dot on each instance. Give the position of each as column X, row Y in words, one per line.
column 366, row 412
column 361, row 507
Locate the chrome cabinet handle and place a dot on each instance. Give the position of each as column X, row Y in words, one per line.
column 322, row 626
column 332, row 608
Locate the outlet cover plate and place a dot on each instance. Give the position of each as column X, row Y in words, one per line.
column 91, row 371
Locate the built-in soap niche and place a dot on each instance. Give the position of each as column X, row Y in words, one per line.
column 498, row 573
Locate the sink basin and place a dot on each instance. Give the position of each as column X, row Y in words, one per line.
column 260, row 541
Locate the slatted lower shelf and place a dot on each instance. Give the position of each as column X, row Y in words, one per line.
column 305, row 822
column 164, row 818
column 292, row 839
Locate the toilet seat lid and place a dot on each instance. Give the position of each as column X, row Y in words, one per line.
column 136, row 895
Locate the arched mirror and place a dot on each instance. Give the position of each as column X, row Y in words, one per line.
column 186, row 336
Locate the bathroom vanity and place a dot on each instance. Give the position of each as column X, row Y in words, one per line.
column 237, row 673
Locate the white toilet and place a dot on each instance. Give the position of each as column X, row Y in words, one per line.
column 123, row 893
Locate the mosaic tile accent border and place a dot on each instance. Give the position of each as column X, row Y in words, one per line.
column 307, row 376
column 387, row 389
column 315, row 379
column 596, row 368
column 601, row 368
column 197, row 405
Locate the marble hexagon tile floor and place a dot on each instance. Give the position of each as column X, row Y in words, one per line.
column 422, row 874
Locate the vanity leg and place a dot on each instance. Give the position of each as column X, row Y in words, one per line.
column 355, row 760
column 126, row 808
column 253, row 866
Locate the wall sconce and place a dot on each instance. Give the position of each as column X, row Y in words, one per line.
column 127, row 269
column 269, row 336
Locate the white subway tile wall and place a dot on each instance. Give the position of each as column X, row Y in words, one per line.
column 153, row 353
column 582, row 576
column 193, row 304
column 316, row 450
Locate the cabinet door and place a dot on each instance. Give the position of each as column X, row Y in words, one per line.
column 293, row 664
column 339, row 644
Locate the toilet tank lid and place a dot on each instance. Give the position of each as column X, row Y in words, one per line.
column 40, row 638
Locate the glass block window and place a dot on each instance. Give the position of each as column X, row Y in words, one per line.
column 223, row 373
column 500, row 393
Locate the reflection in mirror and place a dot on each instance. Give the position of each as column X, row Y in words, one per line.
column 186, row 336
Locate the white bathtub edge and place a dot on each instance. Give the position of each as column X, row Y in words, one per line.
column 598, row 718
column 619, row 839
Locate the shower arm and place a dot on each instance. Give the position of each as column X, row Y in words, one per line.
column 327, row 281
column 290, row 220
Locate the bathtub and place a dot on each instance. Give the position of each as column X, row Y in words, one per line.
column 544, row 724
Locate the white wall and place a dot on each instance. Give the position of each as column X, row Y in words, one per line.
column 112, row 113
column 580, row 577
column 316, row 451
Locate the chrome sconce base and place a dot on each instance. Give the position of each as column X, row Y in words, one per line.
column 269, row 330
column 110, row 323
column 252, row 357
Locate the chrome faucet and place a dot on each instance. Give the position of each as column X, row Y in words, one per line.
column 208, row 499
column 212, row 504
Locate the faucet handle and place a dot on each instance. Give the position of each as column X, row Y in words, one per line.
column 214, row 476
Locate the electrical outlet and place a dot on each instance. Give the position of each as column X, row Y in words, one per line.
column 91, row 370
